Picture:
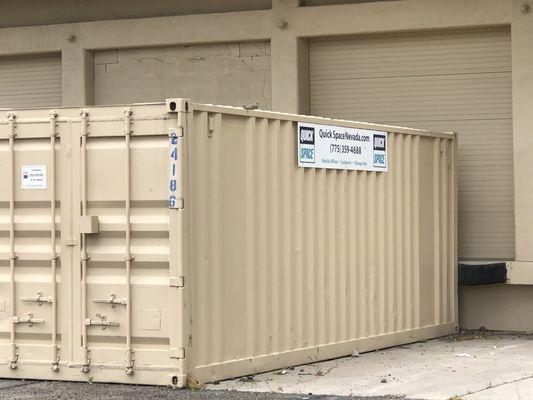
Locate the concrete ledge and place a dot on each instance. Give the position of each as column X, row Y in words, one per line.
column 499, row 307
column 520, row 273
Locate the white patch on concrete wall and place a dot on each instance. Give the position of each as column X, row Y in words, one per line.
column 229, row 74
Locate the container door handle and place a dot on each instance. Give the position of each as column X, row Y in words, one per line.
column 27, row 320
column 101, row 322
column 38, row 298
column 112, row 300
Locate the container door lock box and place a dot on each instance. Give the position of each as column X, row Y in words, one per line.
column 89, row 224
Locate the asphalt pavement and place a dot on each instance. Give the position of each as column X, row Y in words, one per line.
column 42, row 390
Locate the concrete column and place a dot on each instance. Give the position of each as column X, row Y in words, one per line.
column 289, row 61
column 522, row 61
column 77, row 76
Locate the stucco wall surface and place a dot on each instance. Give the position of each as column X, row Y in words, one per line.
column 67, row 11
column 230, row 74
column 499, row 307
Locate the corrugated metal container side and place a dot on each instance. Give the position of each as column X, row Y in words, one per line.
column 292, row 265
column 259, row 264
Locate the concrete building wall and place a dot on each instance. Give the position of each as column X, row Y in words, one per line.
column 288, row 26
column 499, row 307
column 67, row 11
column 231, row 73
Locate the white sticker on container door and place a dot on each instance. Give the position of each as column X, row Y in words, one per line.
column 33, row 177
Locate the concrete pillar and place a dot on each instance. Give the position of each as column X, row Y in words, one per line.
column 77, row 76
column 289, row 61
column 522, row 61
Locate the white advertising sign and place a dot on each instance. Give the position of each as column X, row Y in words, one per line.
column 33, row 177
column 338, row 147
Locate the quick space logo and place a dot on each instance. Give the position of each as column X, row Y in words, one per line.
column 306, row 136
column 380, row 151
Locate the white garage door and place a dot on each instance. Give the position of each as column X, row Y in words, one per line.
column 30, row 81
column 458, row 81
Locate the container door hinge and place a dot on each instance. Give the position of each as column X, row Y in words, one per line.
column 178, row 354
column 176, row 203
column 86, row 362
column 130, row 361
column 177, row 281
column 14, row 356
column 211, row 125
column 55, row 364
column 176, row 132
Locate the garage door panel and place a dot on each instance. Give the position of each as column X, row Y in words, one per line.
column 433, row 53
column 380, row 69
column 411, row 43
column 419, row 99
column 30, row 81
column 498, row 83
column 447, row 81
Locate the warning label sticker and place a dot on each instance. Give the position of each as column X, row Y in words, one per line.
column 33, row 177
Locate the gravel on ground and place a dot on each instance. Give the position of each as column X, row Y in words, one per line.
column 45, row 390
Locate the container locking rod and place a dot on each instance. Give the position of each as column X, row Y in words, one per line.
column 27, row 320
column 101, row 322
column 38, row 298
column 112, row 300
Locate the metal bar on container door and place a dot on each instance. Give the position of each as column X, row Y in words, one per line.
column 175, row 125
column 13, row 355
column 128, row 257
column 182, row 121
column 85, row 363
column 53, row 254
column 176, row 267
column 455, row 229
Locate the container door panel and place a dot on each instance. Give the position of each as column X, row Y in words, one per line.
column 31, row 262
column 125, row 310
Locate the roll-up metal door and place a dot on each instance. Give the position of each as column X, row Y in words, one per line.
column 458, row 81
column 33, row 81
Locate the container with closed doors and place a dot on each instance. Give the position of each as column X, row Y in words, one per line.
column 177, row 242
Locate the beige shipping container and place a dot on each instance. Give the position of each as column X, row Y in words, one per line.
column 152, row 243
